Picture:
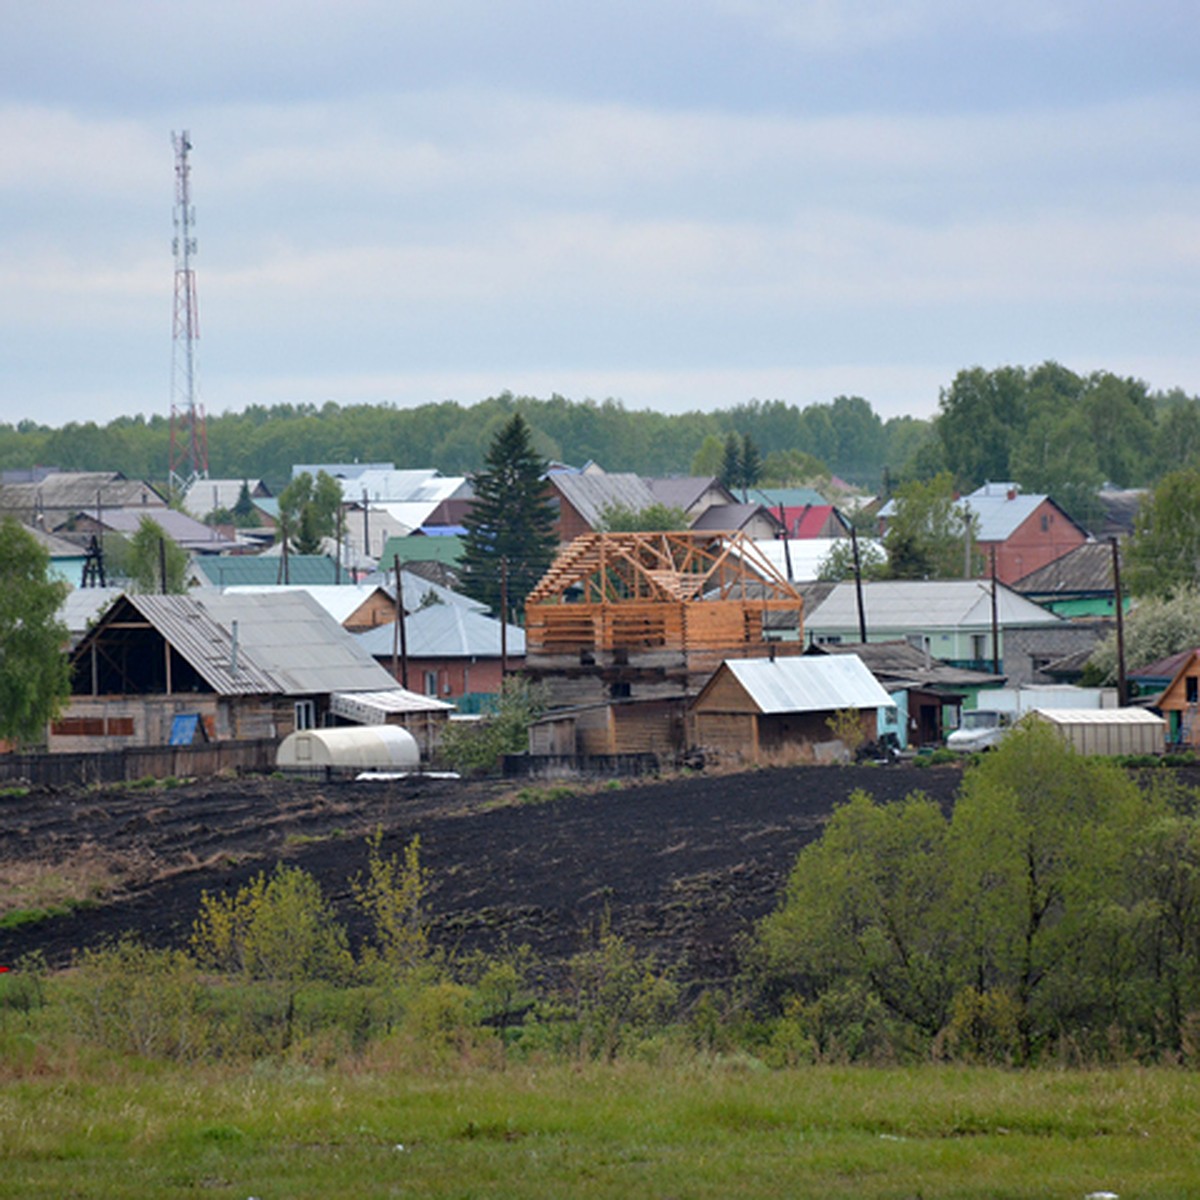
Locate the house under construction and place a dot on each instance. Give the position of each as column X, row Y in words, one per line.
column 650, row 616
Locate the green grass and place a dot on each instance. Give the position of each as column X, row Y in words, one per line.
column 103, row 1128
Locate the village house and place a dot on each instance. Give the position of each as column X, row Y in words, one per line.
column 1179, row 702
column 214, row 666
column 952, row 619
column 451, row 651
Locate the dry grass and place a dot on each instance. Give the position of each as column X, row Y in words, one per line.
column 85, row 874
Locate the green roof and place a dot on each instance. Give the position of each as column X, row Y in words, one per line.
column 230, row 570
column 421, row 548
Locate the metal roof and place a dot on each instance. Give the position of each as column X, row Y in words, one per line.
column 374, row 708
column 297, row 642
column 590, row 495
column 921, row 605
column 1099, row 716
column 803, row 684
column 726, row 518
column 207, row 495
column 684, row 491
column 179, row 527
column 445, row 631
column 78, row 490
column 1086, row 569
column 236, row 569
column 340, row 601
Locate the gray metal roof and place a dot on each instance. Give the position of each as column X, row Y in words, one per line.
column 74, row 490
column 921, row 605
column 179, row 527
column 726, row 518
column 590, row 495
column 803, row 684
column 298, row 643
column 445, row 631
column 1087, row 568
column 683, row 491
column 207, row 645
column 207, row 495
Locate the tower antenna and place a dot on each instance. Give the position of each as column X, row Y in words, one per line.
column 189, row 437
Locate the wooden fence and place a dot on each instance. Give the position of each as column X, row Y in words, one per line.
column 138, row 762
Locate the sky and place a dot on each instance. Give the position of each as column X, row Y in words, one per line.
column 678, row 204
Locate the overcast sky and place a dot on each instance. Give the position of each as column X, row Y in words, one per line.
column 676, row 203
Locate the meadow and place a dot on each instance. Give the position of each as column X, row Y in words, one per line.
column 99, row 1126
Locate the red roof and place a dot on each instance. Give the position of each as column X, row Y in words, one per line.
column 805, row 520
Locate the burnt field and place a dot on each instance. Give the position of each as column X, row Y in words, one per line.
column 682, row 868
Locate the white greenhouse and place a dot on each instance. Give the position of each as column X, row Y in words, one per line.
column 352, row 748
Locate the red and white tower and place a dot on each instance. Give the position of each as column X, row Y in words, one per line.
column 189, row 438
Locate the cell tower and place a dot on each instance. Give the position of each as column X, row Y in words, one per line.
column 189, row 438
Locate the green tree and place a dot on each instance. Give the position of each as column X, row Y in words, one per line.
column 142, row 559
column 245, row 515
column 865, row 907
column 925, row 536
column 978, row 417
column 504, row 729
column 34, row 675
column 655, row 518
column 308, row 511
column 511, row 523
column 1163, row 556
column 709, row 459
column 1156, row 628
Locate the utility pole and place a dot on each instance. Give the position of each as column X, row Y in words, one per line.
column 1122, row 683
column 189, row 438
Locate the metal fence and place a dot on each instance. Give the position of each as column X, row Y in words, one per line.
column 138, row 762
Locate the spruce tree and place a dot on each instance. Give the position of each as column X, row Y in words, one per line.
column 510, row 525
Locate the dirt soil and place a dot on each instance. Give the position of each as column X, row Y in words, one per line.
column 682, row 867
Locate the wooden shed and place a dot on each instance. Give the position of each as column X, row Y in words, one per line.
column 764, row 710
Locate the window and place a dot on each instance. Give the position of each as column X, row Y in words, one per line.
column 978, row 646
column 431, row 683
column 1192, row 685
column 306, row 714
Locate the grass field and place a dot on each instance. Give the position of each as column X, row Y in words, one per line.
column 98, row 1126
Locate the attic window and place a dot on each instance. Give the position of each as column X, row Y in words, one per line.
column 1192, row 686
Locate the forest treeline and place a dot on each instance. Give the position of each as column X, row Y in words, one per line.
column 1048, row 428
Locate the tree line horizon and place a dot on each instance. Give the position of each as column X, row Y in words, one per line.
column 1047, row 428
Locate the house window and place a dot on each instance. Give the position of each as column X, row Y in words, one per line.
column 306, row 714
column 978, row 646
column 1045, row 523
column 829, row 640
column 431, row 683
column 1192, row 685
column 619, row 691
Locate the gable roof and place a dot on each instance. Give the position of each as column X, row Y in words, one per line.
column 1086, row 569
column 74, row 490
column 340, row 601
column 685, row 491
column 590, row 495
column 789, row 497
column 182, row 529
column 808, row 520
column 418, row 547
column 286, row 644
column 207, row 495
column 445, row 631
column 1001, row 509
column 924, row 604
column 728, row 518
column 807, row 684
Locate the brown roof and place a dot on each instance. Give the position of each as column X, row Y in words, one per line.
column 901, row 662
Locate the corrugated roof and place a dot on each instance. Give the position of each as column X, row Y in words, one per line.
column 803, row 684
column 590, row 495
column 1098, row 716
column 207, row 645
column 900, row 660
column 373, row 708
column 1086, row 569
column 445, row 631
column 422, row 548
column 789, row 497
column 229, row 570
column 921, row 605
column 74, row 490
column 84, row 605
column 340, row 601
column 297, row 642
